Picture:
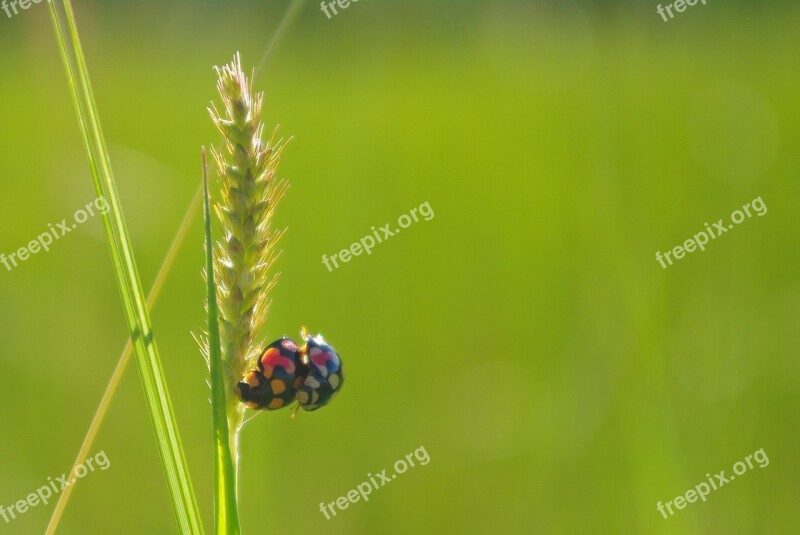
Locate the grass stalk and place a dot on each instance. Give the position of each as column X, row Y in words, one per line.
column 124, row 359
column 226, row 511
column 248, row 195
column 134, row 304
column 286, row 21
column 122, row 363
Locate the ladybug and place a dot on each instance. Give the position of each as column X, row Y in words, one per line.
column 325, row 375
column 273, row 384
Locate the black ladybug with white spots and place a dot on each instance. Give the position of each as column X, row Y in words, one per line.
column 325, row 376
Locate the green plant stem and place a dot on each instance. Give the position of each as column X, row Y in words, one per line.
column 122, row 363
column 288, row 17
column 226, row 511
column 134, row 304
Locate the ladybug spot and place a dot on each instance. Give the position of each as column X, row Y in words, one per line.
column 278, row 386
column 321, row 360
column 252, row 380
column 273, row 358
column 334, row 381
column 312, row 382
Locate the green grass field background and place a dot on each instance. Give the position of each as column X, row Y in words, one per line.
column 526, row 336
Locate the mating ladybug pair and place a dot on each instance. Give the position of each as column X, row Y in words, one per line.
column 311, row 374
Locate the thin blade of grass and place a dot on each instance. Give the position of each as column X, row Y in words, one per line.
column 226, row 511
column 288, row 17
column 122, row 363
column 124, row 359
column 136, row 313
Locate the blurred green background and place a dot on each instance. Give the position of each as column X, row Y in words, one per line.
column 559, row 378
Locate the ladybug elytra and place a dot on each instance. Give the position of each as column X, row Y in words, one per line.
column 325, row 377
column 272, row 385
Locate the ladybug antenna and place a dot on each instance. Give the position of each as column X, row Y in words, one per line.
column 303, row 332
column 295, row 411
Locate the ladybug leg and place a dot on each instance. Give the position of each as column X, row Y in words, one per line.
column 295, row 410
column 303, row 332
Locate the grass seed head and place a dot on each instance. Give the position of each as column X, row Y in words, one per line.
column 249, row 193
